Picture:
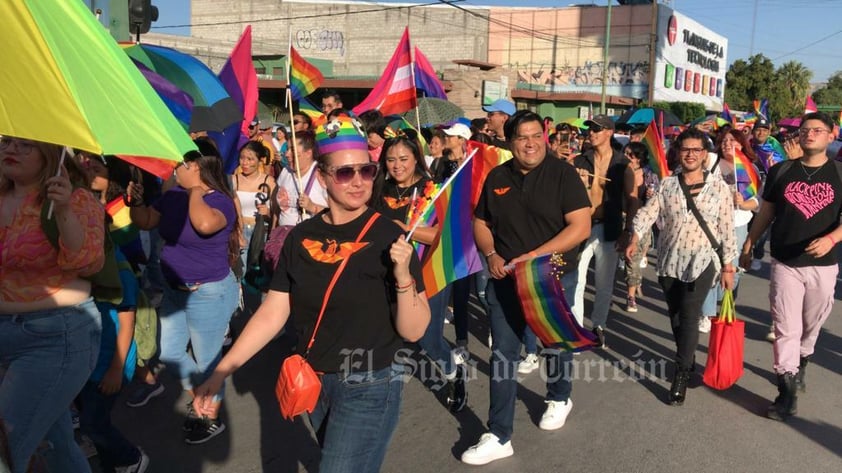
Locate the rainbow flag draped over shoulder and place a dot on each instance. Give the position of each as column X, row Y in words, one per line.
column 654, row 141
column 123, row 232
column 304, row 78
column 487, row 158
column 454, row 254
column 748, row 181
column 545, row 308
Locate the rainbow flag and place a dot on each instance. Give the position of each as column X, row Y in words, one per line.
column 304, row 78
column 655, row 143
column 123, row 232
column 454, row 254
column 487, row 158
column 748, row 182
column 307, row 108
column 545, row 308
column 770, row 153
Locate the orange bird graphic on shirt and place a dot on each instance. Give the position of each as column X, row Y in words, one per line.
column 330, row 251
column 501, row 190
column 394, row 203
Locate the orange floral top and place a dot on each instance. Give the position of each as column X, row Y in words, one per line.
column 31, row 268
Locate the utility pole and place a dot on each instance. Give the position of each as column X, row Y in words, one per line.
column 605, row 56
column 753, row 28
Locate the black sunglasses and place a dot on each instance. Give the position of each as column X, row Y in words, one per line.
column 594, row 129
column 345, row 174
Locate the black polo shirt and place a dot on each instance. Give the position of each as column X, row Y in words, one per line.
column 527, row 210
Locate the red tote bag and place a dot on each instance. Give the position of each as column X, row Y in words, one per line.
column 725, row 351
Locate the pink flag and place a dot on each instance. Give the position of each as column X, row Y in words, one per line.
column 395, row 91
column 238, row 75
column 810, row 106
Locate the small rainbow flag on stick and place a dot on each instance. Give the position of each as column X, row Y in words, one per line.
column 304, row 78
column 538, row 282
column 748, row 182
column 123, row 232
column 654, row 141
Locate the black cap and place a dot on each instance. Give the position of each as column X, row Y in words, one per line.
column 762, row 123
column 603, row 121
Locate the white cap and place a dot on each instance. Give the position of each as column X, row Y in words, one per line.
column 459, row 129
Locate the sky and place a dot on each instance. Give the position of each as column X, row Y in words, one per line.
column 785, row 30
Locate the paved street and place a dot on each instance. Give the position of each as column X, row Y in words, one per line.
column 619, row 423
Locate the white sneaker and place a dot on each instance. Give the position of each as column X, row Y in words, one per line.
column 529, row 364
column 704, row 324
column 487, row 450
column 770, row 337
column 756, row 264
column 461, row 355
column 556, row 414
column 644, row 262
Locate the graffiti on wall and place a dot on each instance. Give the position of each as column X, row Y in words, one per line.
column 590, row 73
column 320, row 40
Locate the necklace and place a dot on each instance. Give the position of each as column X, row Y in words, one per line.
column 403, row 192
column 810, row 174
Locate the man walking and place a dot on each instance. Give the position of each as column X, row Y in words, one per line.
column 602, row 169
column 802, row 202
column 530, row 205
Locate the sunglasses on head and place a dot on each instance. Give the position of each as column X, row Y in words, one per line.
column 345, row 174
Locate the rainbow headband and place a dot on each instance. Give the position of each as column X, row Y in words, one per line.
column 340, row 133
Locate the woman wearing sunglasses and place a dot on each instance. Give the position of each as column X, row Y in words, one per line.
column 49, row 325
column 197, row 221
column 376, row 303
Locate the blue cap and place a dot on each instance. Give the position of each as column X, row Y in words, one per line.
column 501, row 105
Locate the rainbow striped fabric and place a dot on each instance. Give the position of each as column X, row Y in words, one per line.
column 304, row 78
column 123, row 232
column 487, row 158
column 307, row 108
column 545, row 308
column 340, row 133
column 454, row 254
column 655, row 143
column 748, row 181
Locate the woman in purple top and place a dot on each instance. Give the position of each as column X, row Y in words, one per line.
column 197, row 221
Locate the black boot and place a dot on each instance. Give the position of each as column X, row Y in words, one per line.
column 678, row 390
column 458, row 393
column 800, row 383
column 785, row 404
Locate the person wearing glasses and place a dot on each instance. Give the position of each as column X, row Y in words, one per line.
column 641, row 183
column 377, row 303
column 49, row 326
column 197, row 221
column 301, row 122
column 802, row 202
column 603, row 170
column 498, row 113
column 688, row 265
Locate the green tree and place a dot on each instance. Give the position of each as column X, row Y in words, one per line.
column 830, row 93
column 789, row 91
column 749, row 80
column 685, row 111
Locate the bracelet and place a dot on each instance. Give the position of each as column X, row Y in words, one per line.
column 492, row 253
column 399, row 287
column 831, row 239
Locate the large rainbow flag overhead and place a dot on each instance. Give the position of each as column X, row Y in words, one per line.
column 545, row 308
column 654, row 141
column 748, row 181
column 304, row 78
column 454, row 254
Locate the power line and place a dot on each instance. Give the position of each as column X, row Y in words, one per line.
column 807, row 45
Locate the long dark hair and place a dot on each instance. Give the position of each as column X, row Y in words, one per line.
column 259, row 150
column 212, row 174
column 408, row 139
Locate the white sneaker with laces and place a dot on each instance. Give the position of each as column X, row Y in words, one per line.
column 529, row 364
column 704, row 324
column 487, row 450
column 556, row 414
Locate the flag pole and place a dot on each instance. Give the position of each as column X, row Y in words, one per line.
column 294, row 146
column 412, row 76
column 442, row 189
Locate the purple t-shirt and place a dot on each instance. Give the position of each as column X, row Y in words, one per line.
column 188, row 257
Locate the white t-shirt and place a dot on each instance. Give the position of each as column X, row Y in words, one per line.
column 288, row 192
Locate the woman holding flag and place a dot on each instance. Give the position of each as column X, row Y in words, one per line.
column 734, row 164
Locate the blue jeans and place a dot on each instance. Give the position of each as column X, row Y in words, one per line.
column 433, row 341
column 605, row 258
column 112, row 447
column 507, row 328
column 530, row 341
column 200, row 317
column 48, row 356
column 716, row 292
column 359, row 412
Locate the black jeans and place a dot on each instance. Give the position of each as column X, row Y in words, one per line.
column 684, row 306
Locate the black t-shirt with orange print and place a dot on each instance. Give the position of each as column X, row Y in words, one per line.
column 357, row 332
column 396, row 200
column 526, row 210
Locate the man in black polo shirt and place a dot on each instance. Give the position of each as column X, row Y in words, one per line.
column 602, row 169
column 529, row 206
